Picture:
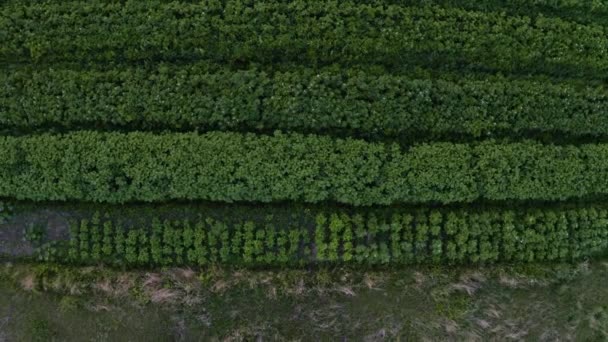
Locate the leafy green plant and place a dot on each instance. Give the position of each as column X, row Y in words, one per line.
column 394, row 37
column 424, row 236
column 52, row 251
column 6, row 211
column 382, row 174
column 35, row 234
column 390, row 105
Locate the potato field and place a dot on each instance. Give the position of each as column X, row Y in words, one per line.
column 315, row 170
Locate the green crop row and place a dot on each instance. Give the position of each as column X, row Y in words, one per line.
column 195, row 97
column 582, row 11
column 220, row 166
column 448, row 236
column 311, row 32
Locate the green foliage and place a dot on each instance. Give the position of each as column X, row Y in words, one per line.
column 35, row 234
column 119, row 243
column 583, row 11
column 108, row 233
column 370, row 69
column 351, row 101
column 423, row 236
column 118, row 168
column 320, row 239
column 74, row 243
column 84, row 241
column 96, row 238
column 131, row 244
column 307, row 32
column 51, row 251
column 6, row 211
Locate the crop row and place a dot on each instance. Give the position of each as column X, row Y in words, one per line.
column 406, row 237
column 220, row 166
column 583, row 11
column 195, row 97
column 311, row 32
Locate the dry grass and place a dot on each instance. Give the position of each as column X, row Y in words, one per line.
column 372, row 280
column 346, row 290
column 186, row 273
column 470, row 283
column 482, row 323
column 298, row 289
column 163, row 296
column 333, row 303
column 191, row 300
column 204, row 319
column 271, row 292
column 492, row 312
column 508, row 281
column 152, row 280
column 28, row 282
column 100, row 307
column 517, row 335
column 419, row 278
column 583, row 267
column 379, row 335
column 124, row 283
column 105, row 286
column 219, row 286
column 450, row 326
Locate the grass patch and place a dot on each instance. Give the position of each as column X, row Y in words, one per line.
column 500, row 302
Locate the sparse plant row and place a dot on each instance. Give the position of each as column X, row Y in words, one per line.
column 314, row 33
column 193, row 96
column 408, row 237
column 228, row 167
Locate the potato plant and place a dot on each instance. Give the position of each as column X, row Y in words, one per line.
column 418, row 236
